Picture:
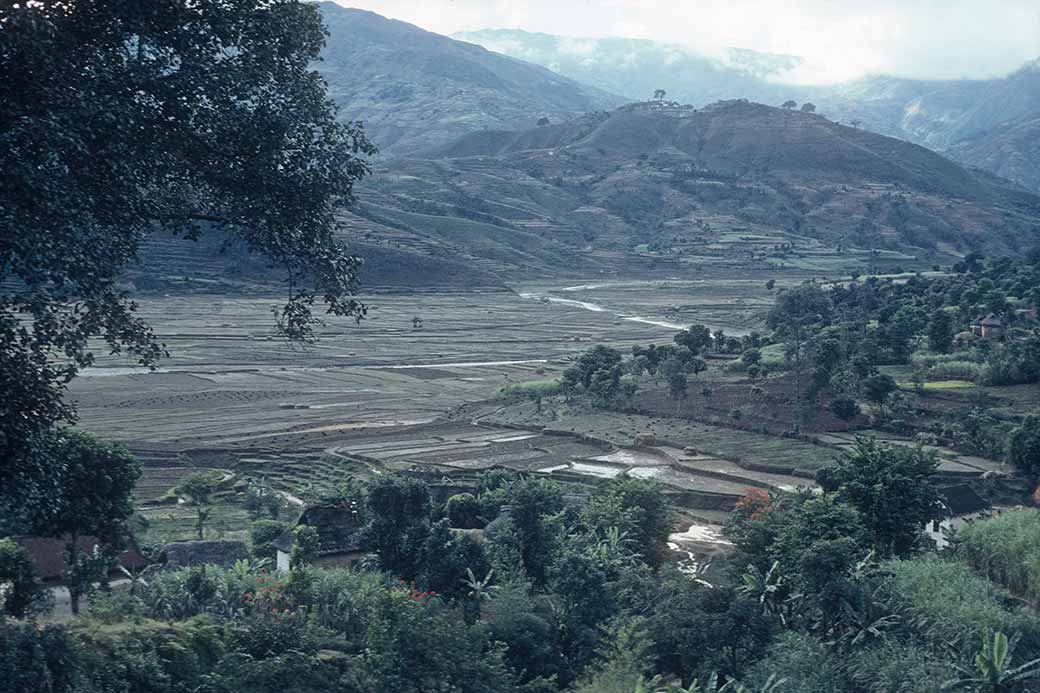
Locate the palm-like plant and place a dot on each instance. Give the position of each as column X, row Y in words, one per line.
column 772, row 685
column 479, row 589
column 992, row 672
column 767, row 588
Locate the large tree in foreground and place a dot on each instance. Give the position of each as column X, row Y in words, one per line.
column 121, row 119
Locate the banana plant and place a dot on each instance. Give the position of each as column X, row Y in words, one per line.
column 767, row 589
column 992, row 672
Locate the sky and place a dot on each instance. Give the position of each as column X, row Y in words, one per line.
column 840, row 39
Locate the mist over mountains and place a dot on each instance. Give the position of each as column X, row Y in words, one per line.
column 937, row 114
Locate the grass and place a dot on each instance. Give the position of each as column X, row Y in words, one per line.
column 162, row 525
column 1006, row 549
column 532, row 389
column 773, row 355
column 940, row 385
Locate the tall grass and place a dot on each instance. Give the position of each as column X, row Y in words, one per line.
column 532, row 389
column 1006, row 549
column 948, row 603
column 955, row 370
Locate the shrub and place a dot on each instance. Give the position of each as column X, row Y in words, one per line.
column 844, row 408
column 464, row 511
column 262, row 534
column 18, row 576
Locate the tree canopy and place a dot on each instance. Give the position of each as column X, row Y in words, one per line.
column 121, row 120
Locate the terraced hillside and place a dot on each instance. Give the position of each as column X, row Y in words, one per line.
column 734, row 182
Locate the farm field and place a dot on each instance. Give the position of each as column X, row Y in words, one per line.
column 232, row 396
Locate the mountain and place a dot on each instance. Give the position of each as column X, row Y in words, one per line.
column 414, row 89
column 936, row 114
column 733, row 182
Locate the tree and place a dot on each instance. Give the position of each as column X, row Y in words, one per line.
column 808, row 107
column 124, row 120
column 463, row 511
column 639, row 509
column 878, row 387
column 844, row 408
column 97, row 482
column 770, row 284
column 674, row 372
column 1023, row 448
column 398, row 510
column 789, row 104
column 940, row 332
column 196, row 489
column 891, row 487
column 696, row 338
column 659, row 94
column 19, row 582
column 543, row 121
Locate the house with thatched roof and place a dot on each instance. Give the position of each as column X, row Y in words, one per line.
column 339, row 533
column 961, row 504
column 990, row 327
column 49, row 556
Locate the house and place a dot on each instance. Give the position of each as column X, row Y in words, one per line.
column 50, row 559
column 961, row 505
column 339, row 530
column 990, row 327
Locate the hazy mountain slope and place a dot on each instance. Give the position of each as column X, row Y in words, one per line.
column 678, row 181
column 635, row 68
column 413, row 89
column 1010, row 150
column 937, row 114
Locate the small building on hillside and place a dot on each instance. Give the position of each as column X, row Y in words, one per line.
column 961, row 505
column 989, row 327
column 339, row 531
column 50, row 558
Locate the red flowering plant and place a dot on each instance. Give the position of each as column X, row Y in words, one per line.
column 407, row 589
column 269, row 596
column 752, row 524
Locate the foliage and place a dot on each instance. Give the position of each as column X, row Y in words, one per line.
column 992, row 671
column 19, row 583
column 639, row 509
column 398, row 510
column 464, row 511
column 950, row 604
column 1006, row 549
column 196, row 490
column 262, row 534
column 305, row 547
column 1023, row 447
column 102, row 148
column 844, row 408
column 891, row 487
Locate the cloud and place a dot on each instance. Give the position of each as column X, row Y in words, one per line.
column 840, row 39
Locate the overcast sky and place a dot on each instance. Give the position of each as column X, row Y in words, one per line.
column 841, row 39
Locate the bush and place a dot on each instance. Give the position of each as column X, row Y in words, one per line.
column 844, row 408
column 19, row 587
column 464, row 511
column 262, row 534
column 801, row 659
